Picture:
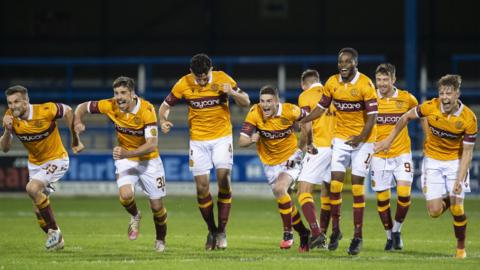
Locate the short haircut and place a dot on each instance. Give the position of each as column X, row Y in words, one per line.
column 16, row 89
column 386, row 69
column 269, row 90
column 125, row 82
column 351, row 51
column 309, row 73
column 451, row 80
column 200, row 64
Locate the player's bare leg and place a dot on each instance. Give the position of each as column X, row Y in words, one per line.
column 160, row 221
column 284, row 201
column 224, row 203
column 127, row 199
column 403, row 204
column 305, row 198
column 336, row 187
column 358, row 192
column 54, row 236
column 205, row 204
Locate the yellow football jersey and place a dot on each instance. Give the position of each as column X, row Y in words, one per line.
column 208, row 114
column 323, row 126
column 130, row 127
column 277, row 138
column 389, row 112
column 446, row 132
column 39, row 133
column 352, row 102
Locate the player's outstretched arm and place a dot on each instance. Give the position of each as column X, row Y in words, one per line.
column 163, row 113
column 148, row 147
column 316, row 113
column 6, row 139
column 401, row 124
column 465, row 162
column 245, row 140
column 241, row 98
column 77, row 145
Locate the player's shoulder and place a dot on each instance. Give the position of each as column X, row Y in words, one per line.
column 146, row 105
column 468, row 113
column 289, row 109
column 405, row 94
column 333, row 79
column 364, row 80
column 185, row 81
column 221, row 76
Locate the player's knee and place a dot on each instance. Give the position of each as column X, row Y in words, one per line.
column 126, row 195
column 336, row 186
column 33, row 189
column 404, row 191
column 457, row 209
column 358, row 190
column 434, row 211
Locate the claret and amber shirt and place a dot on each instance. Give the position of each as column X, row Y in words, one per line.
column 277, row 137
column 39, row 133
column 208, row 114
column 322, row 127
column 447, row 132
column 389, row 112
column 353, row 101
column 133, row 127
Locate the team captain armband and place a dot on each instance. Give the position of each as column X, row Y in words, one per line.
column 247, row 129
column 371, row 106
column 418, row 111
column 60, row 110
column 303, row 114
column 469, row 138
column 306, row 109
column 92, row 107
column 324, row 102
column 171, row 99
column 151, row 131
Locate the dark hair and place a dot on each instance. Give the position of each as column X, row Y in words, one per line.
column 451, row 80
column 269, row 90
column 16, row 89
column 352, row 51
column 309, row 73
column 200, row 64
column 386, row 69
column 125, row 82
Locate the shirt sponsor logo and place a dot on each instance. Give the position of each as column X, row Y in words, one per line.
column 207, row 102
column 276, row 134
column 348, row 106
column 129, row 131
column 37, row 136
column 444, row 134
column 388, row 119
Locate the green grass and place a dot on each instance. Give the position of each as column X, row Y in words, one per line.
column 96, row 238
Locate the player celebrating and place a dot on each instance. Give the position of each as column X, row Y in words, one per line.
column 395, row 167
column 137, row 160
column 315, row 167
column 207, row 93
column 448, row 150
column 355, row 101
column 35, row 126
column 269, row 125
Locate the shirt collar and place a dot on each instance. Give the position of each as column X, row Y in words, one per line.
column 395, row 93
column 315, row 85
column 210, row 78
column 458, row 112
column 137, row 106
column 353, row 81
column 279, row 112
column 30, row 112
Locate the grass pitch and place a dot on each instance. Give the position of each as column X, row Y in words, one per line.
column 95, row 232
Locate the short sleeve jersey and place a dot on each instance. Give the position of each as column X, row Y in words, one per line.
column 208, row 114
column 277, row 137
column 39, row 133
column 130, row 127
column 353, row 101
column 389, row 112
column 447, row 132
column 322, row 127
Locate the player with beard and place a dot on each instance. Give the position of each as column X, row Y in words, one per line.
column 137, row 160
column 448, row 149
column 35, row 126
column 355, row 100
column 269, row 125
column 207, row 93
column 394, row 168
